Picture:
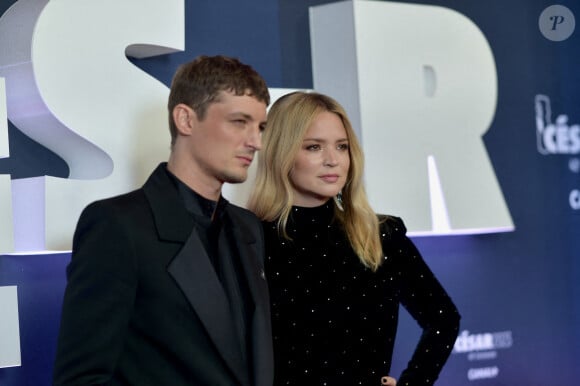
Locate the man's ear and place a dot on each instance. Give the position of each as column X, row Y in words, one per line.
column 183, row 117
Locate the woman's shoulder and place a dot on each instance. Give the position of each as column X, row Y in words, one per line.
column 391, row 227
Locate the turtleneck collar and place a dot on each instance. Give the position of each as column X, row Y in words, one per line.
column 318, row 214
column 305, row 222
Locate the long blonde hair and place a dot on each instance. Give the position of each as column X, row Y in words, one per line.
column 272, row 197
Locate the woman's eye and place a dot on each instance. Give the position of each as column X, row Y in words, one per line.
column 343, row 146
column 313, row 147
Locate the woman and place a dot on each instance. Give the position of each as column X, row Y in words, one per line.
column 337, row 272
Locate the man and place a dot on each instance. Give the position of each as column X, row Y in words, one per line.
column 166, row 284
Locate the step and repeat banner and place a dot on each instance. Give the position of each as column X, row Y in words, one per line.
column 468, row 112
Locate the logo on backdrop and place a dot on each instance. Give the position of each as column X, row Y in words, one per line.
column 555, row 136
column 557, row 23
column 482, row 347
column 558, row 137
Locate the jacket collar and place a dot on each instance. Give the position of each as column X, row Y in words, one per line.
column 172, row 220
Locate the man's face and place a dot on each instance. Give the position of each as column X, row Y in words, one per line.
column 222, row 145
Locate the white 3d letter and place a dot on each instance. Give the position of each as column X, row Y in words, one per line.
column 6, row 230
column 76, row 93
column 419, row 81
column 9, row 328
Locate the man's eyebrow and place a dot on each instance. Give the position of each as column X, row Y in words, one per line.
column 241, row 114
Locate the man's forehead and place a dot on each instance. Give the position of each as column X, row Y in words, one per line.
column 246, row 105
column 229, row 93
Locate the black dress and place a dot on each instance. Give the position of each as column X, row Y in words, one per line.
column 334, row 321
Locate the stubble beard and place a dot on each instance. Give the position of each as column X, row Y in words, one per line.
column 234, row 178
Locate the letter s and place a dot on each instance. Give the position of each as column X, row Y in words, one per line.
column 105, row 117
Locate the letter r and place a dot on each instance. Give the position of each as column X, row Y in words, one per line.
column 419, row 82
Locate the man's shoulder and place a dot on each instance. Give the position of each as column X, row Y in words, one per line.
column 119, row 206
column 244, row 217
column 129, row 198
column 133, row 198
column 242, row 212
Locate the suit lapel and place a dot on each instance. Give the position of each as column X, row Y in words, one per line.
column 193, row 272
column 192, row 269
column 171, row 219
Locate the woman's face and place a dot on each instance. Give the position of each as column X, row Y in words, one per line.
column 321, row 166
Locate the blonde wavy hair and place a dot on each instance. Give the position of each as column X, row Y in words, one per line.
column 272, row 197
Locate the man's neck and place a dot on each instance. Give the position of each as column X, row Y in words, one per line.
column 198, row 182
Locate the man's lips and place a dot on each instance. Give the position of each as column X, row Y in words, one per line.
column 246, row 159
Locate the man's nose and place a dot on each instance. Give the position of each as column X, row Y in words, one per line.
column 255, row 138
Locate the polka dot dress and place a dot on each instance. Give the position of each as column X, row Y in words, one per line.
column 334, row 320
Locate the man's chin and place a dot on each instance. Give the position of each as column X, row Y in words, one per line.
column 235, row 178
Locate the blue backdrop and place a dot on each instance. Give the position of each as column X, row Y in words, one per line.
column 517, row 291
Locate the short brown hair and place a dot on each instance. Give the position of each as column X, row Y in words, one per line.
column 199, row 83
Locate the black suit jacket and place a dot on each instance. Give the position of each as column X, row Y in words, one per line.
column 143, row 304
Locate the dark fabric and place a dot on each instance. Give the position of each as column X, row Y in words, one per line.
column 235, row 285
column 143, row 304
column 209, row 218
column 202, row 211
column 334, row 321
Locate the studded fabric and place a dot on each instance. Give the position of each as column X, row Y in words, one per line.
column 334, row 320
